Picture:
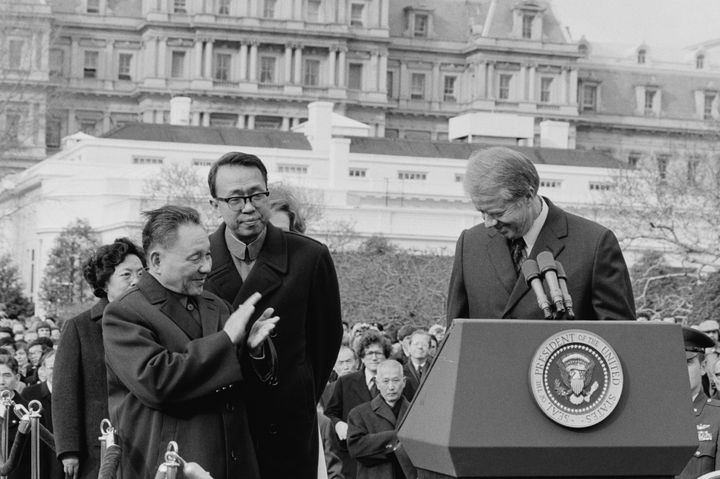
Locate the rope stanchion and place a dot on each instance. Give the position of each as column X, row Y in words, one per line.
column 173, row 461
column 13, row 459
column 6, row 404
column 34, row 408
column 110, row 451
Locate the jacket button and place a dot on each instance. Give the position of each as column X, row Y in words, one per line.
column 230, row 407
column 272, row 429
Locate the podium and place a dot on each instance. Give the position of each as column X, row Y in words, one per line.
column 521, row 398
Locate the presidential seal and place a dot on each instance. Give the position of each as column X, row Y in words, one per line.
column 576, row 378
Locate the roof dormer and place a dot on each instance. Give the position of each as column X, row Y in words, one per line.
column 418, row 22
column 528, row 20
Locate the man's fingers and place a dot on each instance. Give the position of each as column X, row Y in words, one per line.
column 252, row 300
column 266, row 314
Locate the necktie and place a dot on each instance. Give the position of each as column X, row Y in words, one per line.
column 517, row 252
column 420, row 371
column 373, row 388
column 246, row 258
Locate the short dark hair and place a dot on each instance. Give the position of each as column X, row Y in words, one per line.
column 162, row 225
column 101, row 265
column 10, row 362
column 46, row 343
column 370, row 337
column 235, row 158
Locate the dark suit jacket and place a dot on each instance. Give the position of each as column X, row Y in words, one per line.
column 349, row 391
column 412, row 379
column 296, row 276
column 50, row 466
column 372, row 438
column 483, row 283
column 170, row 378
column 80, row 390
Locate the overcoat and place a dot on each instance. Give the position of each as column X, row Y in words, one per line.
column 79, row 397
column 296, row 276
column 484, row 285
column 372, row 439
column 172, row 379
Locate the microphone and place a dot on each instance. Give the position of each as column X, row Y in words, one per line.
column 546, row 263
column 531, row 272
column 562, row 279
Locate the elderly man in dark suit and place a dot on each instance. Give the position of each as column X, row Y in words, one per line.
column 296, row 276
column 372, row 439
column 174, row 353
column 519, row 223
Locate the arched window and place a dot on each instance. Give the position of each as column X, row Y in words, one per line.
column 700, row 61
column 641, row 56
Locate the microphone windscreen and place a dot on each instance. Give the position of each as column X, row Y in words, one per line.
column 530, row 270
column 560, row 270
column 546, row 261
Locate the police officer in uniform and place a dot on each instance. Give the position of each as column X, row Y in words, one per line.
column 707, row 411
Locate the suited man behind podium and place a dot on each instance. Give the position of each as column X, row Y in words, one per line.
column 372, row 439
column 519, row 223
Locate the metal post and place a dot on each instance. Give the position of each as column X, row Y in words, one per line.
column 34, row 408
column 6, row 404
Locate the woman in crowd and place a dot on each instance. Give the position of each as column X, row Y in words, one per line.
column 285, row 209
column 25, row 369
column 79, row 394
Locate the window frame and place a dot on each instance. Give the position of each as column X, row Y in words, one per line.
column 313, row 80
column 546, row 89
column 360, row 67
column 357, row 20
column 415, row 92
column 218, row 64
column 127, row 74
column 450, row 95
column 425, row 23
column 91, row 71
column 181, row 57
column 267, row 73
column 506, row 89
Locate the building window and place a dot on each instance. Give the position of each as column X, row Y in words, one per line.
column 269, row 8
column 357, row 15
column 546, row 89
column 147, row 160
column 222, row 66
column 390, row 84
column 550, row 183
column 357, row 172
column 88, row 126
column 267, row 69
column 700, row 62
column 634, row 158
column 355, row 72
column 293, row 169
column 449, row 88
column 650, row 101
column 527, row 21
column 392, row 133
column 124, row 66
column 268, row 122
column 177, row 68
column 312, row 72
column 227, row 120
column 92, row 6
column 15, row 54
column 417, row 86
column 56, row 62
column 12, row 127
column 198, row 162
column 223, row 7
column 312, row 14
column 662, row 163
column 589, row 97
column 708, row 106
column 90, row 64
column 421, row 25
column 641, row 57
column 53, row 132
column 692, row 169
column 598, row 186
column 412, row 175
column 459, row 177
column 179, row 6
column 504, row 86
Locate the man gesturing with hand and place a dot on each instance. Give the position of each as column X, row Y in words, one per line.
column 174, row 355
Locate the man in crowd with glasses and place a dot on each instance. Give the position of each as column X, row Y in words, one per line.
column 486, row 280
column 296, row 276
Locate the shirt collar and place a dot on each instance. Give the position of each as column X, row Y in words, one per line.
column 532, row 235
column 237, row 247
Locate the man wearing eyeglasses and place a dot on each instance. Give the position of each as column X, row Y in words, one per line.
column 486, row 281
column 296, row 276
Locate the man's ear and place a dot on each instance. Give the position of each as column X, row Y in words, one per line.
column 154, row 260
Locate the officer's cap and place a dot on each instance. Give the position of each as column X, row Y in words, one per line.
column 696, row 341
column 709, row 325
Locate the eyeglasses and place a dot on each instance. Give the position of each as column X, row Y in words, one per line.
column 236, row 203
column 374, row 353
column 499, row 215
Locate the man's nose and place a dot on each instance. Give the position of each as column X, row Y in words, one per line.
column 248, row 207
column 205, row 265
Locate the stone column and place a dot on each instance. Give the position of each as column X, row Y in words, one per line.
column 207, row 73
column 436, row 91
column 403, row 83
column 198, row 55
column 341, row 67
column 251, row 122
column 332, row 65
column 523, row 82
column 490, row 90
column 161, row 62
column 531, row 82
column 243, row 63
column 241, row 122
column 288, row 62
column 75, row 62
column 285, row 126
column 383, row 6
column 573, row 86
column 373, row 76
column 479, row 87
column 298, row 65
column 341, row 15
column 150, row 58
column 253, row 63
column 382, row 73
column 563, row 87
